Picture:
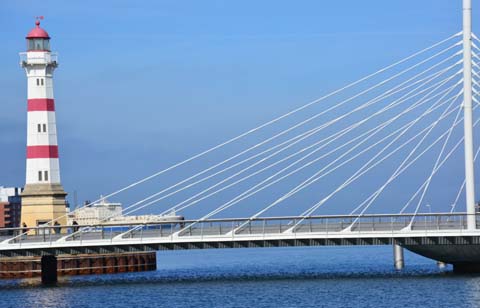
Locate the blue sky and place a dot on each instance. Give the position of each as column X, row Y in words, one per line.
column 144, row 84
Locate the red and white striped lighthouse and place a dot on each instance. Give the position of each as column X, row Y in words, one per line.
column 43, row 198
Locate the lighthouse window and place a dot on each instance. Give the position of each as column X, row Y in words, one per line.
column 38, row 82
column 41, row 80
column 45, row 175
column 39, row 127
column 39, row 44
column 44, row 128
column 39, row 176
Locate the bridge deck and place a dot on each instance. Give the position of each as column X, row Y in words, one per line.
column 262, row 232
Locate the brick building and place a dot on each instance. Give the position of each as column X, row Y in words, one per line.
column 10, row 207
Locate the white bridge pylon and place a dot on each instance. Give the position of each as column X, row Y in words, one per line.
column 468, row 114
column 395, row 130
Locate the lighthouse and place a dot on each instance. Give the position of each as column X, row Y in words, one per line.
column 43, row 198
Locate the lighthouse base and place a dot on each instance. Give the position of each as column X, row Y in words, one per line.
column 42, row 203
column 29, row 267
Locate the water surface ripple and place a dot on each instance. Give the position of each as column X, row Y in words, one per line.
column 273, row 277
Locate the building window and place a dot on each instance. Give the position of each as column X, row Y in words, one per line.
column 39, row 176
column 45, row 173
column 44, row 128
column 41, row 80
column 38, row 82
column 39, row 127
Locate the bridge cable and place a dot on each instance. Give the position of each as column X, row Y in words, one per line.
column 307, row 120
column 418, row 191
column 375, row 131
column 274, row 120
column 377, row 193
column 305, row 183
column 222, row 208
column 361, row 171
column 332, row 138
column 462, row 187
column 419, row 156
column 406, row 143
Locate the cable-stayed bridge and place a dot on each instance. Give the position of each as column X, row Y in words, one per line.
column 386, row 143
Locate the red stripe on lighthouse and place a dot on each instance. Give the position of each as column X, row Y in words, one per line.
column 42, row 151
column 41, row 104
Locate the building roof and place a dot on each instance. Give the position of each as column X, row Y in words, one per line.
column 37, row 32
column 6, row 192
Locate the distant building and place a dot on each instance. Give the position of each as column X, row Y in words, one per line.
column 10, row 207
column 95, row 213
column 107, row 213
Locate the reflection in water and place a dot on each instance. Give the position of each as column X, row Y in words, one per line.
column 281, row 277
column 472, row 289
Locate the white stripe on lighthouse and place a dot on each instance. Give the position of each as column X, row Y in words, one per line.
column 41, row 128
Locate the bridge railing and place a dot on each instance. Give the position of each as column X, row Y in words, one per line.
column 238, row 227
column 328, row 224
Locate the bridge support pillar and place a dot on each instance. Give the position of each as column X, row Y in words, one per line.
column 49, row 269
column 398, row 260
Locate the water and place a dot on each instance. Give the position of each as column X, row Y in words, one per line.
column 273, row 277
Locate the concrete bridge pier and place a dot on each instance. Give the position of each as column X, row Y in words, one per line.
column 49, row 269
column 50, row 266
column 398, row 260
